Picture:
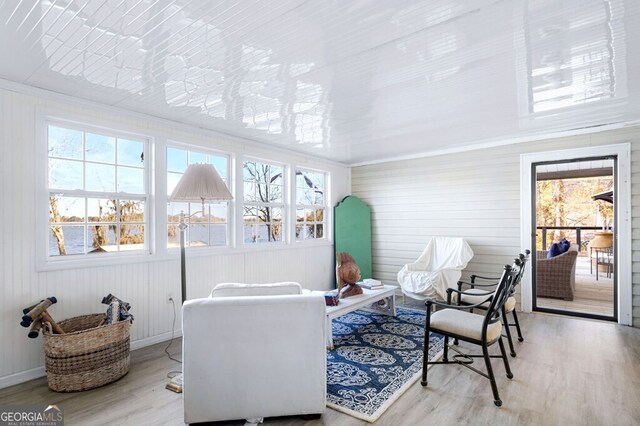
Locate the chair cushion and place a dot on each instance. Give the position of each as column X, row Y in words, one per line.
column 510, row 304
column 464, row 324
column 470, row 299
column 239, row 290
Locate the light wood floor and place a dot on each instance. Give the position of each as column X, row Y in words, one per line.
column 568, row 371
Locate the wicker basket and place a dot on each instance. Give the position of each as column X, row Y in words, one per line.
column 87, row 355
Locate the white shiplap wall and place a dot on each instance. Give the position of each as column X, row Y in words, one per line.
column 145, row 284
column 474, row 195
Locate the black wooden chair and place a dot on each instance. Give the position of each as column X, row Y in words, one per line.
column 477, row 293
column 454, row 323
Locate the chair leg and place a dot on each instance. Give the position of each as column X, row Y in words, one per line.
column 492, row 377
column 517, row 323
column 445, row 355
column 512, row 350
column 425, row 355
column 505, row 359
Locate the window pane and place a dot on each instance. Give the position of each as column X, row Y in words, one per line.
column 65, row 143
column 130, row 180
column 101, row 210
column 319, row 215
column 65, row 174
column 219, row 213
column 197, row 157
column 250, row 172
column 275, row 194
column 131, row 237
column 250, row 191
column 319, row 197
column 176, row 160
column 131, row 211
column 102, row 238
column 130, row 153
column 299, row 215
column 172, row 181
column 66, row 209
column 198, row 235
column 275, row 232
column 65, row 240
column 220, row 163
column 173, row 236
column 276, row 214
column 218, row 235
column 320, row 231
column 100, row 148
column 174, row 209
column 100, row 177
column 275, row 174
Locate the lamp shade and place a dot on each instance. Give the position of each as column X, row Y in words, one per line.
column 201, row 182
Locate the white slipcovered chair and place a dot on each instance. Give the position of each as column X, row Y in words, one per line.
column 252, row 351
column 438, row 268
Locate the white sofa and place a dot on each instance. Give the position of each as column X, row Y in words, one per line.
column 252, row 351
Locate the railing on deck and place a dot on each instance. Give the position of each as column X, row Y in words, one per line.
column 577, row 229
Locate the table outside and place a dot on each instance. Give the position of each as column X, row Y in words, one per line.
column 379, row 300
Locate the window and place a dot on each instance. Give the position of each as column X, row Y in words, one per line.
column 205, row 228
column 310, row 205
column 263, row 216
column 97, row 191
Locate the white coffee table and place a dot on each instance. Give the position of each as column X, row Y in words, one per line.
column 380, row 300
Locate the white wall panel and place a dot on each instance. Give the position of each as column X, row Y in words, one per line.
column 145, row 284
column 474, row 195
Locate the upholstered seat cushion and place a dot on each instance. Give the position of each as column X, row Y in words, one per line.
column 470, row 299
column 464, row 324
column 240, row 290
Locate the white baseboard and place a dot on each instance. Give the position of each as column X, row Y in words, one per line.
column 34, row 373
column 21, row 377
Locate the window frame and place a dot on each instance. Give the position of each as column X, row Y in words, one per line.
column 44, row 260
column 325, row 206
column 284, row 205
column 230, row 180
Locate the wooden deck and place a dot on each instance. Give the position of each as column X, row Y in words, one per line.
column 591, row 296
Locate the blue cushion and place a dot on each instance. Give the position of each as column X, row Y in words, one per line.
column 554, row 250
column 558, row 248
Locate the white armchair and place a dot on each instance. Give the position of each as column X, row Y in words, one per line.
column 439, row 267
column 253, row 351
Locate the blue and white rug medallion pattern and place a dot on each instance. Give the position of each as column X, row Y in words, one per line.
column 375, row 359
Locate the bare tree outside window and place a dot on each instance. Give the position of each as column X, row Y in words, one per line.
column 263, row 202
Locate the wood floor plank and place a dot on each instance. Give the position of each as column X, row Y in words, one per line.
column 567, row 371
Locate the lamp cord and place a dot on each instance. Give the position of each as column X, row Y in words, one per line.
column 166, row 350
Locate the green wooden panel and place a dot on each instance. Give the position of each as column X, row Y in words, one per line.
column 352, row 232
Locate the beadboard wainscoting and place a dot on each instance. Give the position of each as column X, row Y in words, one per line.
column 474, row 195
column 147, row 280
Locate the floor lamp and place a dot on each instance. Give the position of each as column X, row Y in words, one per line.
column 199, row 183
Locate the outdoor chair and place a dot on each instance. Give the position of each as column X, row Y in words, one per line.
column 484, row 330
column 477, row 293
column 556, row 277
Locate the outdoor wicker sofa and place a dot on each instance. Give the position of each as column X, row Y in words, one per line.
column 556, row 277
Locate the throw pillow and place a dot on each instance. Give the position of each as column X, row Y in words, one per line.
column 554, row 250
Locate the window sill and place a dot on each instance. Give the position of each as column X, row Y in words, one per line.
column 59, row 264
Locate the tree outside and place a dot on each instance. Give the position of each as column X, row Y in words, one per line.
column 569, row 203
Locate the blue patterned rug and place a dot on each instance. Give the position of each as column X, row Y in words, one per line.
column 375, row 360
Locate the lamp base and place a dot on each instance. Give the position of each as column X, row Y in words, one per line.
column 175, row 384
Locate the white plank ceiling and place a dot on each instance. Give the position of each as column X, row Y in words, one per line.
column 353, row 81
